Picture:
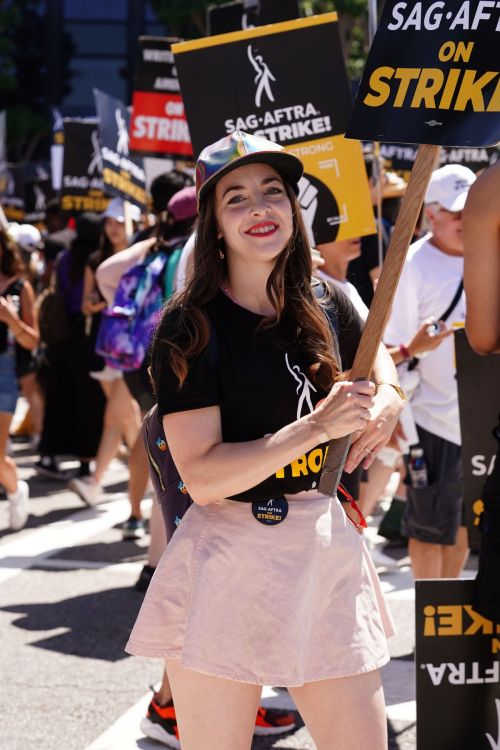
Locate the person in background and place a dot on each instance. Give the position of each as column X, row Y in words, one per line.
column 18, row 333
column 163, row 187
column 58, row 237
column 364, row 270
column 74, row 401
column 337, row 256
column 121, row 416
column 171, row 231
column 29, row 241
column 481, row 222
column 430, row 289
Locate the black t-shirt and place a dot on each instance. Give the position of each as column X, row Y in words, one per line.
column 258, row 380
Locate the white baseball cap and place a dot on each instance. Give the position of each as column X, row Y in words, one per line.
column 449, row 186
column 26, row 235
column 116, row 210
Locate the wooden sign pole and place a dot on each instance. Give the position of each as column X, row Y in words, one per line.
column 382, row 300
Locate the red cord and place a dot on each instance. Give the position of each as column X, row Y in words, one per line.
column 354, row 505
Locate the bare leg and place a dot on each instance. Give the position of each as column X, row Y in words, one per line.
column 426, row 559
column 108, row 446
column 158, row 540
column 199, row 697
column 455, row 557
column 139, row 476
column 33, row 394
column 123, row 411
column 164, row 694
column 8, row 470
column 331, row 711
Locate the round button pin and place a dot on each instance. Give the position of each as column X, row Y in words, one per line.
column 270, row 512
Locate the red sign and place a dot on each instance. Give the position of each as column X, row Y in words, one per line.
column 159, row 125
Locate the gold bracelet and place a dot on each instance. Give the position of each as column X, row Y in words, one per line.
column 397, row 388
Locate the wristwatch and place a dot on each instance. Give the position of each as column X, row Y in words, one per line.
column 398, row 390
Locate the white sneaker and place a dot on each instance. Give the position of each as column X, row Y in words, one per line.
column 87, row 490
column 18, row 501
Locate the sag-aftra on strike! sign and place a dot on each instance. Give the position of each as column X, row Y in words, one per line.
column 432, row 65
column 286, row 82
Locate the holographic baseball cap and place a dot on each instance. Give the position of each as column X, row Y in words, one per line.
column 236, row 150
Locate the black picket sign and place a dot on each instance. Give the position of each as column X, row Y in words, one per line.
column 432, row 75
column 82, row 187
column 457, row 669
column 479, row 399
column 285, row 82
column 123, row 174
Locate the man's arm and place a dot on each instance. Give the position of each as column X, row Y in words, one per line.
column 481, row 226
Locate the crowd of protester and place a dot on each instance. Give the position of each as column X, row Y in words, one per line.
column 79, row 405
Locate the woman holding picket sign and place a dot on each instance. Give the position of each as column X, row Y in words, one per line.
column 266, row 580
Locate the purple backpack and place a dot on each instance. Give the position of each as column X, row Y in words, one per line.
column 127, row 327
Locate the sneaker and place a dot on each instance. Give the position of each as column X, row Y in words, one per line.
column 87, row 490
column 144, row 579
column 273, row 721
column 48, row 467
column 160, row 723
column 18, row 501
column 134, row 528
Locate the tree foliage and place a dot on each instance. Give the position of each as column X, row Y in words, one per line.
column 23, row 75
column 187, row 20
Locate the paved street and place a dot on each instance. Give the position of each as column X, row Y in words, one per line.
column 67, row 603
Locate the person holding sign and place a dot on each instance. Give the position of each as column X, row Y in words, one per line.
column 431, row 287
column 482, row 324
column 266, row 580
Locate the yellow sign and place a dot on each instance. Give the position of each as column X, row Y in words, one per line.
column 337, row 195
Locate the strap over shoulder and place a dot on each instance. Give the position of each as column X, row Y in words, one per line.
column 323, row 291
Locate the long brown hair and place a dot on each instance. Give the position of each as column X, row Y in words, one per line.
column 11, row 263
column 288, row 287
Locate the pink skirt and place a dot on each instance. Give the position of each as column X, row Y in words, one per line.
column 270, row 605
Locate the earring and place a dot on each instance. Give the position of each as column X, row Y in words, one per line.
column 221, row 252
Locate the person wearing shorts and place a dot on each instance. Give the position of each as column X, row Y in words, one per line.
column 431, row 290
column 266, row 580
column 18, row 331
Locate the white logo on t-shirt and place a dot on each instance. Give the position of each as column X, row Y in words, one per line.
column 303, row 389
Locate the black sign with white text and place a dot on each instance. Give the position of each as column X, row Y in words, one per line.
column 478, row 381
column 284, row 82
column 432, row 75
column 82, row 187
column 12, row 192
column 457, row 668
column 122, row 173
column 37, row 192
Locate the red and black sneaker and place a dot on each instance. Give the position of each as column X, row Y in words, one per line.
column 273, row 721
column 160, row 724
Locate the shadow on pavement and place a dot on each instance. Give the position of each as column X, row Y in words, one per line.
column 97, row 624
